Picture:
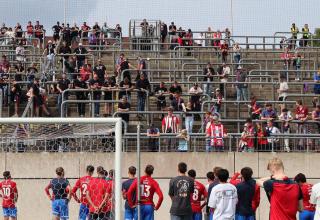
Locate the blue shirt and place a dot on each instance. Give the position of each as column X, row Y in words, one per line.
column 59, row 187
column 269, row 114
column 125, row 187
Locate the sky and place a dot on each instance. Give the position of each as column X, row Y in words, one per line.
column 250, row 17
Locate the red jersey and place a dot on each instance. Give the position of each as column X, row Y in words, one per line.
column 148, row 187
column 170, row 123
column 301, row 112
column 97, row 190
column 82, row 184
column 216, row 132
column 85, row 74
column 199, row 194
column 9, row 193
column 306, row 192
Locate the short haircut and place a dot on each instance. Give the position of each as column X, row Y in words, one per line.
column 111, row 173
column 268, row 105
column 246, row 173
column 90, row 169
column 276, row 163
column 299, row 102
column 105, row 172
column 192, row 173
column 149, row 170
column 300, row 178
column 59, row 171
column 182, row 167
column 223, row 175
column 6, row 175
column 215, row 170
column 248, row 120
column 210, row 175
column 100, row 170
column 132, row 170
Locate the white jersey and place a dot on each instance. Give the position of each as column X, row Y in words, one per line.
column 223, row 199
column 315, row 199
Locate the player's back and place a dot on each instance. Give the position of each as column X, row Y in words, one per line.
column 198, row 194
column 97, row 189
column 82, row 184
column 306, row 189
column 9, row 189
column 148, row 187
column 59, row 188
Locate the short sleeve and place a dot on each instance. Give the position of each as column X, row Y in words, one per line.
column 268, row 188
column 171, row 188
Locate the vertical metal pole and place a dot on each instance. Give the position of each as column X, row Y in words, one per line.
column 139, row 171
column 1, row 99
column 231, row 13
column 118, row 170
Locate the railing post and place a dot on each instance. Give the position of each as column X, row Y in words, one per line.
column 1, row 100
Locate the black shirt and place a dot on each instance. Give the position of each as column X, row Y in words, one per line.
column 125, row 188
column 205, row 72
column 100, row 70
column 246, row 191
column 56, row 29
column 177, row 104
column 80, row 51
column 93, row 82
column 213, row 184
column 142, row 84
column 180, row 190
column 63, row 84
column 80, row 84
column 175, row 89
column 65, row 50
column 161, row 90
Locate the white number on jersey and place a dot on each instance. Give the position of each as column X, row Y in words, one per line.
column 84, row 187
column 145, row 190
column 195, row 195
column 6, row 191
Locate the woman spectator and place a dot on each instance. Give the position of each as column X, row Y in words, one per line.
column 261, row 137
column 189, row 118
column 236, row 53
column 125, row 87
column 217, row 98
column 19, row 72
column 183, row 139
column 224, row 49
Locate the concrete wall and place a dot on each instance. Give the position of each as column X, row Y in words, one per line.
column 34, row 168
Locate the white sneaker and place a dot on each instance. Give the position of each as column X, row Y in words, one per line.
column 287, row 149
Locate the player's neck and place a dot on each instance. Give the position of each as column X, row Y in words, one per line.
column 279, row 174
column 182, row 174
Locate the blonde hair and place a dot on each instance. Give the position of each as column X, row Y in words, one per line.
column 276, row 163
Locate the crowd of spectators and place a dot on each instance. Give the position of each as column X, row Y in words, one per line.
column 94, row 82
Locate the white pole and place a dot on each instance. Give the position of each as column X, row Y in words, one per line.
column 117, row 187
column 231, row 13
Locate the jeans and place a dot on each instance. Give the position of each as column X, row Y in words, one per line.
column 237, row 58
column 146, row 211
column 141, row 103
column 189, row 124
column 298, row 72
column 207, row 89
column 180, row 217
column 242, row 93
column 60, row 102
column 97, row 104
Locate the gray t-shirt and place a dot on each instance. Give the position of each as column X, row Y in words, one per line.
column 180, row 190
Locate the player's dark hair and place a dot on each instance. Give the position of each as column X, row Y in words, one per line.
column 149, row 170
column 100, row 170
column 210, row 176
column 299, row 102
column 59, row 171
column 215, row 170
column 223, row 175
column 182, row 167
column 246, row 173
column 105, row 173
column 132, row 170
column 248, row 120
column 192, row 173
column 6, row 175
column 90, row 169
column 300, row 178
column 111, row 173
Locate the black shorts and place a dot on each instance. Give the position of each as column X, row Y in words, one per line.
column 281, row 99
column 99, row 216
